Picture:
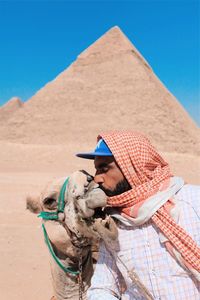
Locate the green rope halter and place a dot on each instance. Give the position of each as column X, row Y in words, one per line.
column 54, row 216
column 59, row 263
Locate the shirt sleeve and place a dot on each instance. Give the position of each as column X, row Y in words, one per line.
column 106, row 281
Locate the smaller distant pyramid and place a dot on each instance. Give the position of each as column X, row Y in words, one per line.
column 9, row 108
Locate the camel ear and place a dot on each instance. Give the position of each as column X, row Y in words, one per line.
column 33, row 204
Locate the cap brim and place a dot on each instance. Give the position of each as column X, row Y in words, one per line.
column 92, row 155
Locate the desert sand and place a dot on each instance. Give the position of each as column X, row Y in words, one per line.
column 109, row 86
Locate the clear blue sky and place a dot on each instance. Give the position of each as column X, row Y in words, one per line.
column 39, row 39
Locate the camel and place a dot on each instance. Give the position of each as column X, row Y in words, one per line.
column 71, row 231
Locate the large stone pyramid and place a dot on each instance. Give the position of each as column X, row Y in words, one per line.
column 109, row 86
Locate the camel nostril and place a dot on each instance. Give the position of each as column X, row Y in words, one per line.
column 90, row 178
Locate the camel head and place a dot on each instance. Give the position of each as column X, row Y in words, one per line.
column 74, row 226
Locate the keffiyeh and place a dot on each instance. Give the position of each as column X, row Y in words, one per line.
column 149, row 177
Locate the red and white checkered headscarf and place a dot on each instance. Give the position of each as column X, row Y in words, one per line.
column 147, row 172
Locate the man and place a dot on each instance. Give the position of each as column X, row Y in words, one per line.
column 157, row 254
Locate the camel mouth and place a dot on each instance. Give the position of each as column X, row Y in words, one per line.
column 99, row 213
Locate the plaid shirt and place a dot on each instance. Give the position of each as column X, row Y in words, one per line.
column 139, row 248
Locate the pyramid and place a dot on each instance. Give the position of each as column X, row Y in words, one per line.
column 9, row 108
column 109, row 86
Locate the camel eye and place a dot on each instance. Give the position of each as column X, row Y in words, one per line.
column 50, row 203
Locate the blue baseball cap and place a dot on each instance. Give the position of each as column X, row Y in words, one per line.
column 100, row 150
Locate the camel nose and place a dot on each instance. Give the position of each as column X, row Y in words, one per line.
column 90, row 178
